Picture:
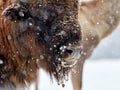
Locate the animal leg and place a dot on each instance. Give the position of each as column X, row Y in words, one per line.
column 77, row 75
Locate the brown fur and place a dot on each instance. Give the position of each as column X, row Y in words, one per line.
column 34, row 41
column 98, row 19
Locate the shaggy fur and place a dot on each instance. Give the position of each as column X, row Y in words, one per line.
column 38, row 34
column 46, row 34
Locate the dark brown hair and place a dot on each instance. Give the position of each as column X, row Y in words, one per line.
column 36, row 35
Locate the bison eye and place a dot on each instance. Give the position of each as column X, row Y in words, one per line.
column 17, row 11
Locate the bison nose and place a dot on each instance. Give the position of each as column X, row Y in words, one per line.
column 71, row 56
column 69, row 51
column 73, row 52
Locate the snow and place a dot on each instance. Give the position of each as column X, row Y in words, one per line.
column 101, row 71
column 108, row 47
column 21, row 14
column 102, row 75
column 86, row 0
column 41, row 57
column 49, row 85
column 30, row 24
column 98, row 75
column 1, row 61
column 46, row 84
column 9, row 37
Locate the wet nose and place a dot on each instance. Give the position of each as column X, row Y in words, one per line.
column 73, row 52
column 71, row 56
column 69, row 51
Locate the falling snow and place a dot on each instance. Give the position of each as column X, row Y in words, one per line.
column 1, row 61
column 9, row 37
column 76, row 52
column 41, row 57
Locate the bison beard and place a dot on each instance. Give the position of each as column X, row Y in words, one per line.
column 39, row 34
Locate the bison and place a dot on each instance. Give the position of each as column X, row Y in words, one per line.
column 56, row 35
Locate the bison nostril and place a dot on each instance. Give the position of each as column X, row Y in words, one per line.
column 69, row 51
column 73, row 53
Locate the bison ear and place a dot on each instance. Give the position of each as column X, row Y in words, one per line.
column 17, row 11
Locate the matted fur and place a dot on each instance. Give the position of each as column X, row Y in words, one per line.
column 46, row 34
column 38, row 34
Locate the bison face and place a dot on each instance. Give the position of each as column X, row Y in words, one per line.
column 45, row 35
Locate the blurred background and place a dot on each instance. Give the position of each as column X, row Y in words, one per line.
column 101, row 71
column 109, row 47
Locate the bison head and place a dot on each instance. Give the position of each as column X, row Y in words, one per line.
column 40, row 34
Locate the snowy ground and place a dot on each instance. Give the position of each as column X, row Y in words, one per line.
column 98, row 75
column 102, row 75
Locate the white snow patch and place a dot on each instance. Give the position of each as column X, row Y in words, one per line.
column 1, row 61
column 98, row 75
column 41, row 57
column 9, row 37
column 101, row 75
